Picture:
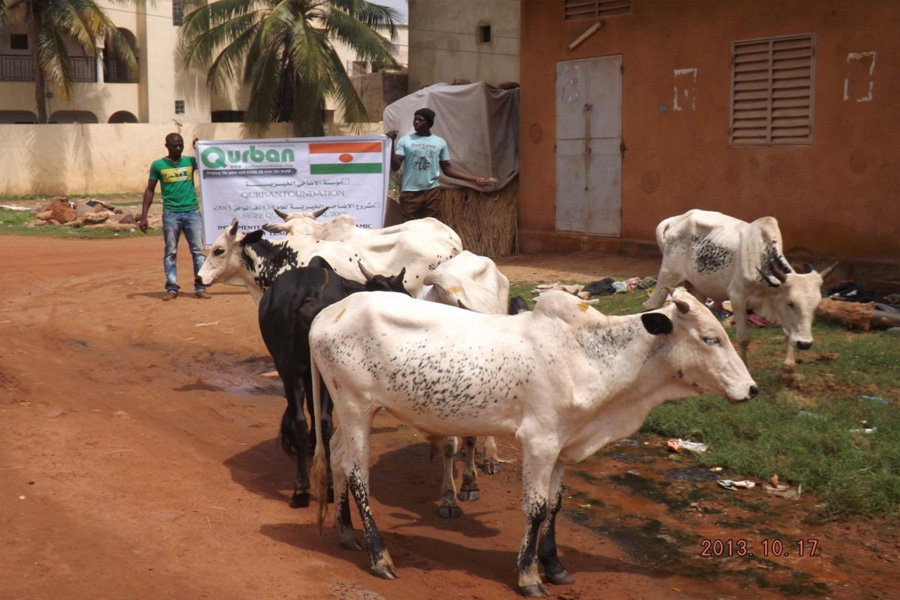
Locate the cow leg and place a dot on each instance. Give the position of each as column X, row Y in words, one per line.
column 491, row 456
column 355, row 463
column 299, row 434
column 668, row 278
column 342, row 520
column 554, row 572
column 537, row 468
column 469, row 488
column 742, row 332
column 449, row 509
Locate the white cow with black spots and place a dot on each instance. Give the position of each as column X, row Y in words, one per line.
column 724, row 258
column 564, row 380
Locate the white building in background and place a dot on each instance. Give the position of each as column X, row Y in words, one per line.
column 162, row 91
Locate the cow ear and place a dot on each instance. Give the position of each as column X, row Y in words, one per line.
column 657, row 323
column 252, row 237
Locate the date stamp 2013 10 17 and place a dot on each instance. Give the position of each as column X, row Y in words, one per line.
column 767, row 548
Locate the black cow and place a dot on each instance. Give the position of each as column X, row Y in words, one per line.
column 286, row 312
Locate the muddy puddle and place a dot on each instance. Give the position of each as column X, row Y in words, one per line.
column 671, row 516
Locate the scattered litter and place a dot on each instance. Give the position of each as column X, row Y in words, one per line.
column 206, row 324
column 866, row 428
column 633, row 472
column 620, row 286
column 716, row 469
column 603, row 287
column 21, row 497
column 12, row 207
column 632, row 283
column 726, row 305
column 270, row 374
column 875, row 399
column 757, row 320
column 584, row 505
column 679, row 444
column 728, row 484
column 783, row 490
column 647, row 283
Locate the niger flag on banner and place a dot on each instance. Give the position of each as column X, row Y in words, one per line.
column 341, row 158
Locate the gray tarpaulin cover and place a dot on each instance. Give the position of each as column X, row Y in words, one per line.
column 480, row 123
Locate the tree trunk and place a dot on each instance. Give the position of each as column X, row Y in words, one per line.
column 40, row 85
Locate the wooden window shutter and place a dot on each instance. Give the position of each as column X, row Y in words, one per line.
column 593, row 9
column 772, row 91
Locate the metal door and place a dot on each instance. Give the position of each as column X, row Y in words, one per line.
column 588, row 145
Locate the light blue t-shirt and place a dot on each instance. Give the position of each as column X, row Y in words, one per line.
column 422, row 156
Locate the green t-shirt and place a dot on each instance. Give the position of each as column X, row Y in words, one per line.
column 177, row 182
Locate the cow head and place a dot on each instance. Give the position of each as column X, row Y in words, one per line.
column 699, row 351
column 297, row 222
column 382, row 283
column 795, row 297
column 225, row 262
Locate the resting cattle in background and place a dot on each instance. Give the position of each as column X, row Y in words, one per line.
column 518, row 305
column 254, row 263
column 286, row 312
column 564, row 380
column 723, row 258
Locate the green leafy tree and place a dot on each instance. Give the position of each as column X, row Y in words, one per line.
column 284, row 54
column 48, row 24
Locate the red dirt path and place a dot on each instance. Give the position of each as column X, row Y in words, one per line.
column 138, row 459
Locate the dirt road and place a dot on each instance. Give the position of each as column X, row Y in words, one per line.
column 138, row 460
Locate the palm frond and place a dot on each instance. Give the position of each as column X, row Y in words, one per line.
column 367, row 43
column 344, row 93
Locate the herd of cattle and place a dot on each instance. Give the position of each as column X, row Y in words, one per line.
column 437, row 342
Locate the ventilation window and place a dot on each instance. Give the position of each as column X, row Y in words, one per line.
column 179, row 107
column 484, row 34
column 593, row 9
column 18, row 41
column 772, row 91
column 177, row 12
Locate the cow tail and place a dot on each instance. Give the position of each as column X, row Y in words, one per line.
column 319, row 474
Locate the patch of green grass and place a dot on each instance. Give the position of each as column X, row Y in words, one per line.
column 805, row 435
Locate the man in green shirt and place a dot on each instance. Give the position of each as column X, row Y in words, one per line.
column 181, row 212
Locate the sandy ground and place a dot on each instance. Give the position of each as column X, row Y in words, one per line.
column 138, row 459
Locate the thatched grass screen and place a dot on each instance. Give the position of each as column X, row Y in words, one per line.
column 487, row 222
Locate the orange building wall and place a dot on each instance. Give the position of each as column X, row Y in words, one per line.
column 839, row 197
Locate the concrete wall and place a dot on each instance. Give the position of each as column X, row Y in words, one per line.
column 101, row 158
column 838, row 197
column 444, row 45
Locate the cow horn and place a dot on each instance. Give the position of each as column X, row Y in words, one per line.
column 366, row 273
column 396, row 282
column 777, row 271
column 828, row 271
column 320, row 212
column 460, row 304
column 233, row 228
column 284, row 216
column 768, row 278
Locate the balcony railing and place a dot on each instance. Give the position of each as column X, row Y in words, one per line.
column 16, row 67
column 116, row 71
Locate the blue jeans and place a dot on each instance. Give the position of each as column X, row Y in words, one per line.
column 192, row 226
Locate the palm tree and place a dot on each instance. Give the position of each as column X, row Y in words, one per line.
column 284, row 52
column 48, row 24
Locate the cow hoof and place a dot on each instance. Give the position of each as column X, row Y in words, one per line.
column 561, row 578
column 449, row 512
column 384, row 570
column 468, row 495
column 351, row 543
column 300, row 500
column 534, row 591
column 491, row 467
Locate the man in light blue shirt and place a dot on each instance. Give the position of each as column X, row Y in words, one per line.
column 423, row 156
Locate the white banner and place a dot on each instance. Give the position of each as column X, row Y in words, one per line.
column 248, row 179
